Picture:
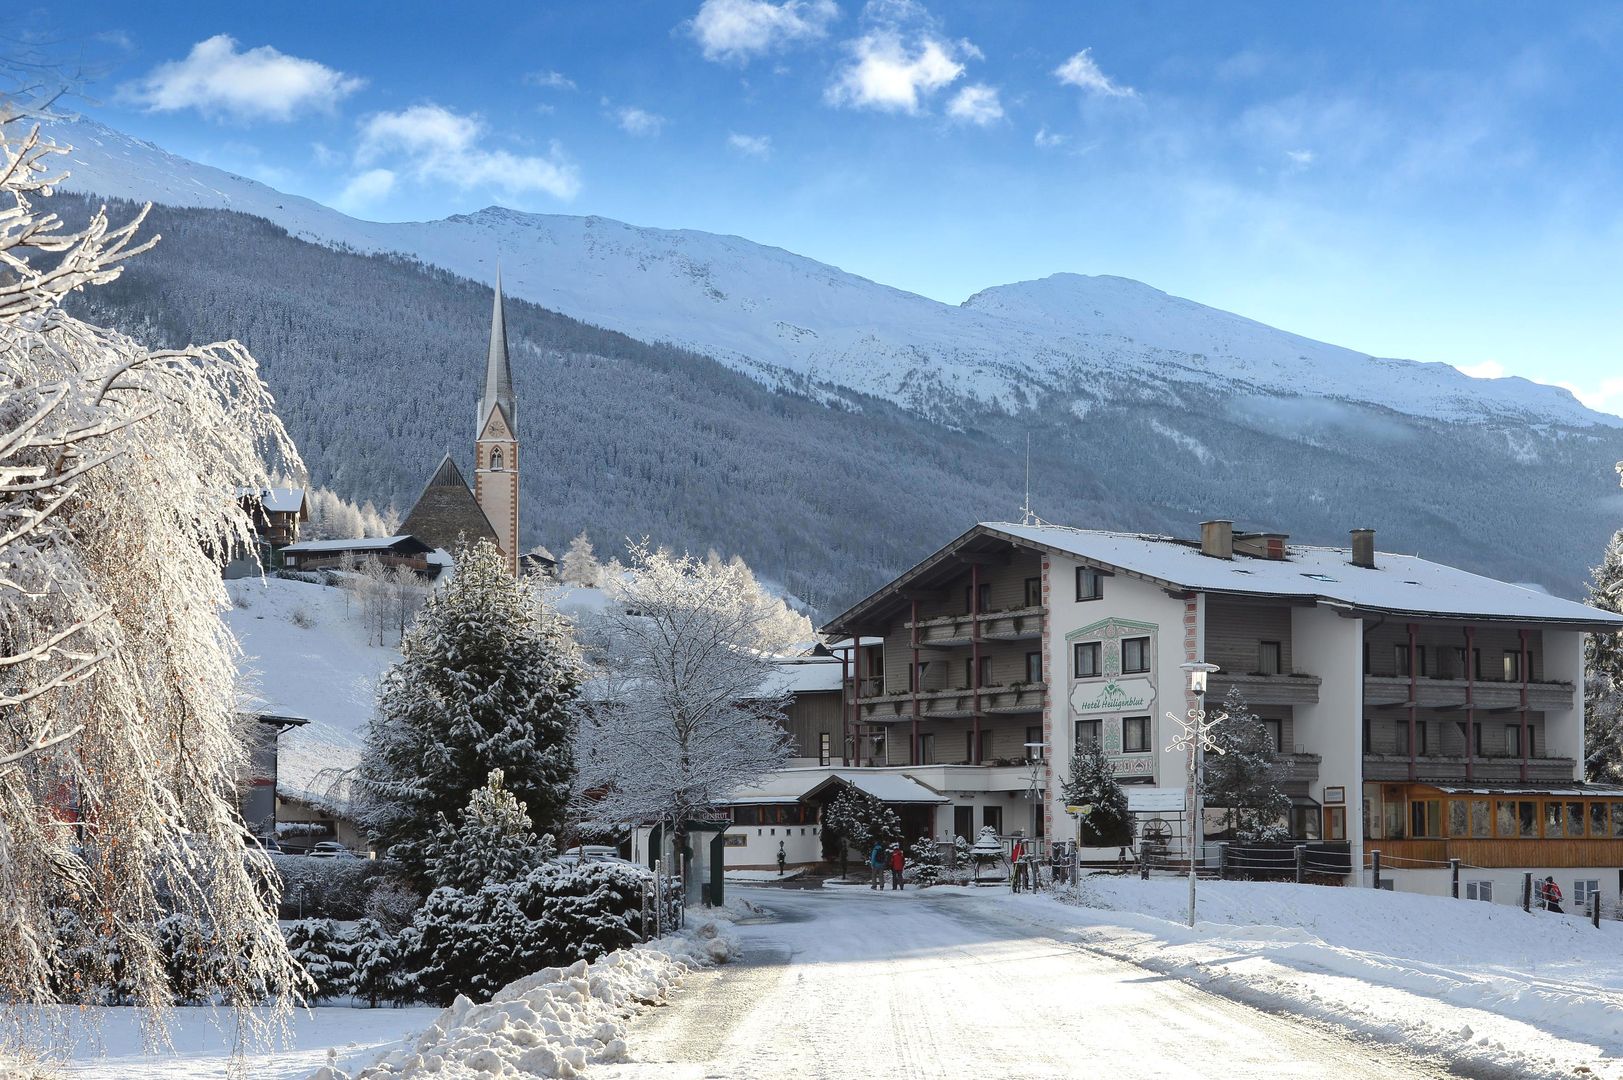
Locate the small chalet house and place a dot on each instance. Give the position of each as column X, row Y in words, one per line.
column 405, row 550
column 277, row 513
column 1420, row 710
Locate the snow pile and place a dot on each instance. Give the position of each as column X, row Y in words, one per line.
column 1483, row 984
column 558, row 1021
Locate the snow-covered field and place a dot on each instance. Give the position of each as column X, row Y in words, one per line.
column 324, row 671
column 1485, row 985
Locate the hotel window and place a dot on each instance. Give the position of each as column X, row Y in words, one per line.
column 1481, row 818
column 1367, row 740
column 1034, row 592
column 1426, row 818
column 1513, row 740
column 1597, row 819
column 1617, row 819
column 1575, row 819
column 1400, row 660
column 1089, row 584
column 1419, row 748
column 926, row 749
column 1091, row 731
column 1476, row 730
column 915, row 675
column 970, row 754
column 1582, row 890
column 1135, row 735
column 993, row 816
column 1513, row 667
column 969, row 671
column 823, row 748
column 1135, row 655
column 1276, row 735
column 1479, row 890
column 1087, row 659
column 1034, row 667
column 1268, row 661
column 1034, row 735
column 970, row 607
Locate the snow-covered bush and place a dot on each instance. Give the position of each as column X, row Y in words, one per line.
column 303, row 618
column 491, row 840
column 391, row 904
column 925, row 856
column 331, row 888
column 474, row 943
column 325, row 953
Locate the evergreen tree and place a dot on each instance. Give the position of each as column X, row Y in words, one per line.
column 491, row 840
column 324, row 954
column 1243, row 776
column 926, row 856
column 375, row 965
column 1105, row 820
column 1603, row 674
column 488, row 679
column 580, row 566
column 855, row 819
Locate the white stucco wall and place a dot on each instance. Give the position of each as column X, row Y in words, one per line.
column 1564, row 728
column 1507, row 884
column 1331, row 646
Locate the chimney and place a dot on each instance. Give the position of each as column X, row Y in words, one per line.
column 1217, row 539
column 1363, row 548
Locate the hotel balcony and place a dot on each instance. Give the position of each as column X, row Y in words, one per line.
column 1266, row 689
column 955, row 704
column 1021, row 624
column 1431, row 768
column 1444, row 695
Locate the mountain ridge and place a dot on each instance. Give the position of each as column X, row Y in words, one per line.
column 793, row 322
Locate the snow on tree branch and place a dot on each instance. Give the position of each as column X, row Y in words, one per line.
column 121, row 747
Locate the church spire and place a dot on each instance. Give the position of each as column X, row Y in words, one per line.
column 498, row 373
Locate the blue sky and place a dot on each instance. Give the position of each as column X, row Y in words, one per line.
column 1436, row 181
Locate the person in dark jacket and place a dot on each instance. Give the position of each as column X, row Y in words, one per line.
column 897, row 861
column 876, row 866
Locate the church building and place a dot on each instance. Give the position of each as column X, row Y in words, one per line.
column 448, row 513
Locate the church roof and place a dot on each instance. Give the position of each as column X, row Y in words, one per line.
column 446, row 513
column 498, row 371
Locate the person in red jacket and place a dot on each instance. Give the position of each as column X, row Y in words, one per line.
column 1552, row 896
column 897, row 861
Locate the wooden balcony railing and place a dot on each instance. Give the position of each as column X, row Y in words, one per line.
column 1020, row 624
column 956, row 703
column 1449, row 694
column 1267, row 689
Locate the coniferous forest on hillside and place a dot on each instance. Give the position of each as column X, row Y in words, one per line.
column 376, row 361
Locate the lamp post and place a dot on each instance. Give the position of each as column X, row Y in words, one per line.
column 1036, row 764
column 1195, row 738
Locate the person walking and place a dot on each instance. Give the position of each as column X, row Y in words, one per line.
column 876, row 866
column 1017, row 857
column 897, row 862
column 1552, row 896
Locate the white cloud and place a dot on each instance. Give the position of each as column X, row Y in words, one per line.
column 365, row 189
column 259, row 84
column 739, row 29
column 885, row 74
column 549, row 80
column 1081, row 70
column 1047, row 140
column 1606, row 396
column 639, row 122
column 436, row 144
column 976, row 104
column 1487, row 369
column 1300, row 158
column 758, row 146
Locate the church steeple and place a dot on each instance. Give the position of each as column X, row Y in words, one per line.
column 495, row 473
column 498, row 372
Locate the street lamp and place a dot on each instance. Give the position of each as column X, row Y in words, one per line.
column 1195, row 738
column 1035, row 761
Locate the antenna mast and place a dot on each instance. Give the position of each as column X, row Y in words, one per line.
column 1028, row 516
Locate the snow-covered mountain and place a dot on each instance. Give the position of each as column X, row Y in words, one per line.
column 792, row 321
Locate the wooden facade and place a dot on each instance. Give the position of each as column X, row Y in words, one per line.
column 1426, row 823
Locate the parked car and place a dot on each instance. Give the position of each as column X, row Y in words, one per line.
column 331, row 849
column 268, row 843
column 591, row 853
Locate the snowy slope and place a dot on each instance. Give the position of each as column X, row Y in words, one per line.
column 787, row 319
column 325, row 673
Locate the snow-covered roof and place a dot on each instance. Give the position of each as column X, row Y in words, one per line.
column 359, row 543
column 279, row 500
column 792, row 785
column 806, row 675
column 1398, row 584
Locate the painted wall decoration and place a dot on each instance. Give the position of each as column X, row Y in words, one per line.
column 1110, row 697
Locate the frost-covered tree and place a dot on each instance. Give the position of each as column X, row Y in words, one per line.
column 324, row 953
column 488, row 679
column 375, row 971
column 925, row 855
column 1242, row 777
column 580, row 566
column 855, row 820
column 1603, row 673
column 1105, row 820
column 686, row 711
column 118, row 695
column 492, row 839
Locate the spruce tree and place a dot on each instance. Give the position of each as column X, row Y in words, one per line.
column 855, row 819
column 1243, row 777
column 492, row 839
column 1092, row 785
column 1603, row 674
column 488, row 679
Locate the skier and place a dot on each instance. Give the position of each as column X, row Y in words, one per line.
column 897, row 861
column 1552, row 896
column 876, row 865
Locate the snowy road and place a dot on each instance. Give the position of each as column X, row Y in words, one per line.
column 853, row 983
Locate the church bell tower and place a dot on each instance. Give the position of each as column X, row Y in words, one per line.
column 495, row 476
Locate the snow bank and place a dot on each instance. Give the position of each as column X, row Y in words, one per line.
column 558, row 1021
column 1485, row 985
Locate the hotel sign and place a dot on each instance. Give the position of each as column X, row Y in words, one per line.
column 1116, row 695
